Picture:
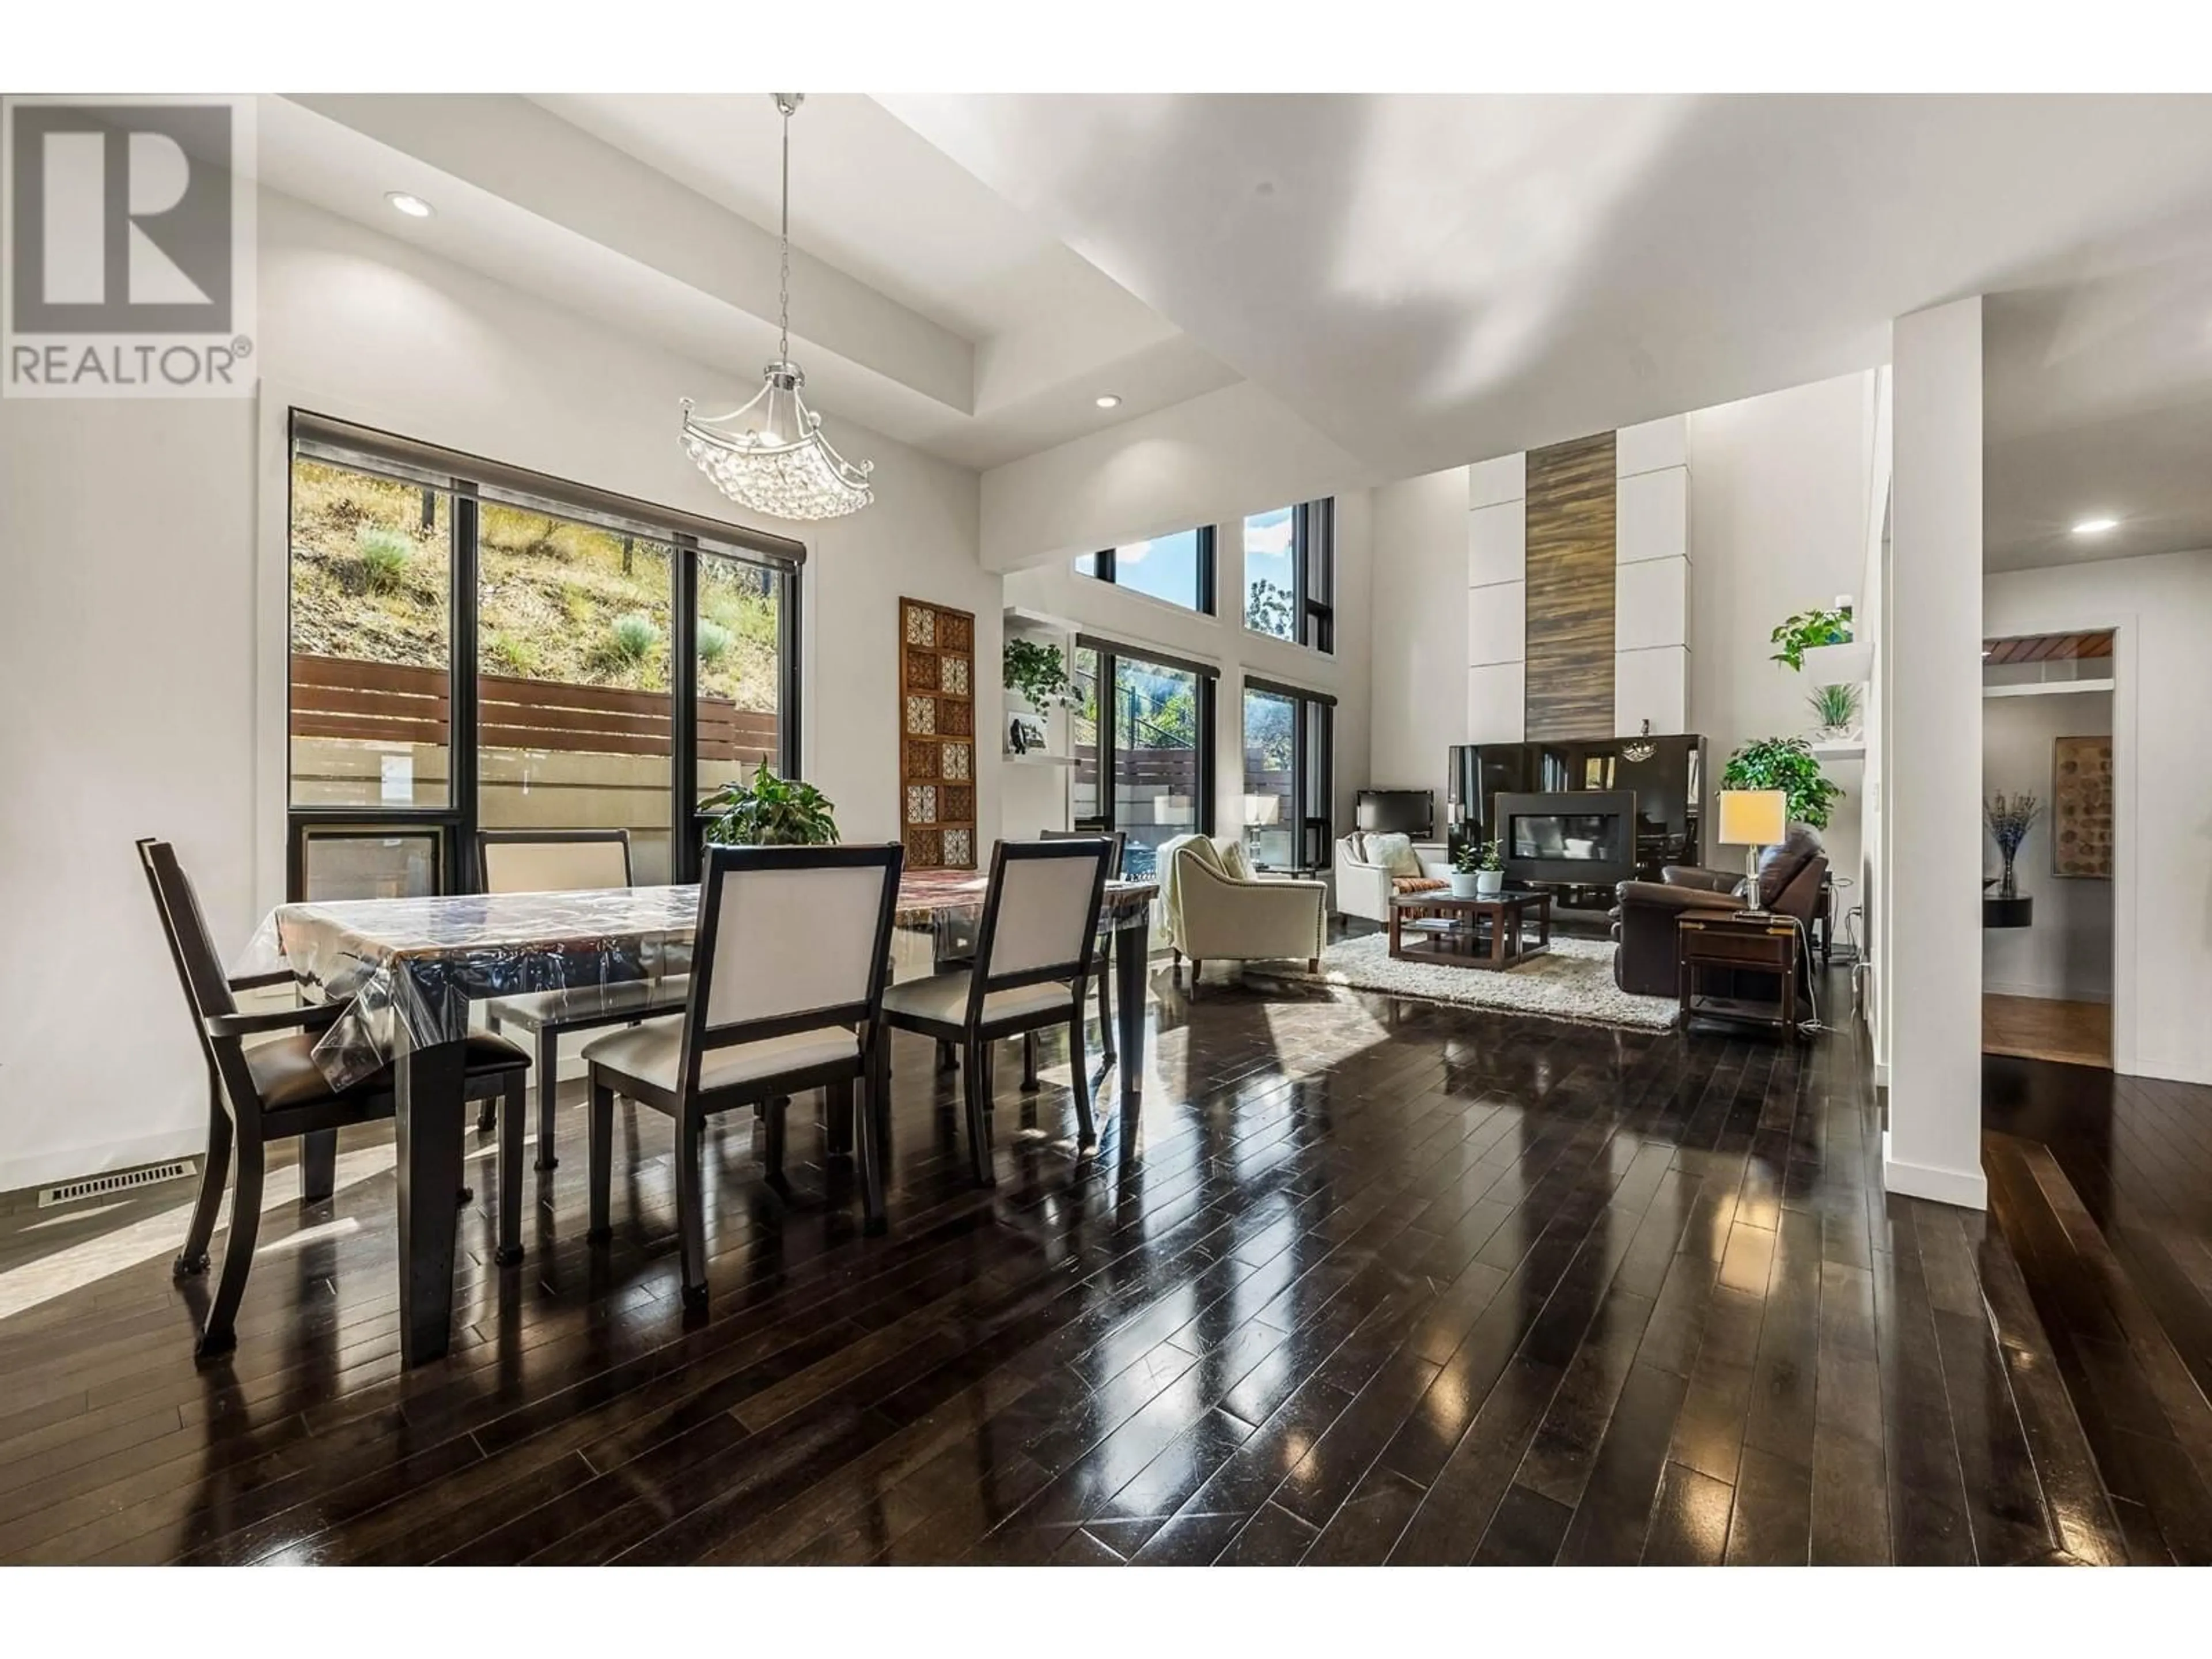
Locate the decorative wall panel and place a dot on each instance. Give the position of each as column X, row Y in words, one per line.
column 1572, row 555
column 2081, row 806
column 937, row 724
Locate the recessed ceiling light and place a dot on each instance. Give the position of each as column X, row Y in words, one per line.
column 413, row 206
column 1109, row 400
column 2094, row 526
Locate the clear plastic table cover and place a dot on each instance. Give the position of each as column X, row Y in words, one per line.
column 411, row 967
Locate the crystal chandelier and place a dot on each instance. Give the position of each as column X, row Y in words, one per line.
column 770, row 455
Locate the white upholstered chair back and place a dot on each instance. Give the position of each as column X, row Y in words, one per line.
column 790, row 940
column 1047, row 909
column 554, row 865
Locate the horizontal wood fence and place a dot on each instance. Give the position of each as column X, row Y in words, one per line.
column 387, row 702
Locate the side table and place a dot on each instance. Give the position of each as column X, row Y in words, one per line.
column 1742, row 942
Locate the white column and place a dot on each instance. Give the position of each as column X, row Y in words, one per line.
column 1497, row 600
column 1931, row 664
column 1652, row 578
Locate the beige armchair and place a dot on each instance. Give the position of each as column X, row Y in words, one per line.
column 1214, row 910
column 1371, row 869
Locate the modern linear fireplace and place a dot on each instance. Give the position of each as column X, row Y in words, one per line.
column 1576, row 838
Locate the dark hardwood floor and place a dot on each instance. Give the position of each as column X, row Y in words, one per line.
column 1366, row 1282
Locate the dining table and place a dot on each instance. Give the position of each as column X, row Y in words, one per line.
column 409, row 970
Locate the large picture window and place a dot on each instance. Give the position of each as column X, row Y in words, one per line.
column 1290, row 573
column 1176, row 569
column 1144, row 726
column 477, row 647
column 1287, row 784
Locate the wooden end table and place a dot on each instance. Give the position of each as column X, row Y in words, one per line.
column 1749, row 943
column 1489, row 931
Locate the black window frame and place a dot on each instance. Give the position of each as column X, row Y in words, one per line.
column 1313, row 767
column 1313, row 579
column 468, row 481
column 1110, row 655
column 1103, row 569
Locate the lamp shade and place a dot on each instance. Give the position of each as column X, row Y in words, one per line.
column 1753, row 817
column 1263, row 809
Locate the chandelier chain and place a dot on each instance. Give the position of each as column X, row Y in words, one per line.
column 783, row 290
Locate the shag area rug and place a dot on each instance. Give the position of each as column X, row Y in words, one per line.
column 1572, row 982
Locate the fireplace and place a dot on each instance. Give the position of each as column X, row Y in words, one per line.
column 1573, row 838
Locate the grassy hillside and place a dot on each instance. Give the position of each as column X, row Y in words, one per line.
column 559, row 601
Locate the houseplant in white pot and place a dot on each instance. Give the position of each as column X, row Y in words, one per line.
column 1478, row 870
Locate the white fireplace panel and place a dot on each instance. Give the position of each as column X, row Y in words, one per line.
column 1497, row 624
column 1497, row 703
column 1498, row 543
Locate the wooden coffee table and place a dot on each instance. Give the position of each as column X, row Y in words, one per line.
column 1490, row 931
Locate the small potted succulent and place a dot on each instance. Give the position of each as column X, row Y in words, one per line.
column 1478, row 870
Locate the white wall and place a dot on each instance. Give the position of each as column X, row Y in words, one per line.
column 1930, row 662
column 2161, row 608
column 2068, row 951
column 1420, row 678
column 146, row 620
column 1054, row 589
column 1777, row 525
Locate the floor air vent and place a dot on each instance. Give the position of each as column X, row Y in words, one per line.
column 123, row 1181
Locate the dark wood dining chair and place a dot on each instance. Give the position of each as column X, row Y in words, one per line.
column 788, row 964
column 273, row 1090
column 1102, row 969
column 1036, row 952
column 564, row 862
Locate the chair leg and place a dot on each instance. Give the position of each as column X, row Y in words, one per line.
column 1029, row 1060
column 512, row 1108
column 1106, row 1000
column 945, row 1062
column 318, row 1165
column 979, row 1120
column 1086, row 1131
column 601, row 1136
column 838, row 1118
column 690, row 1202
column 775, row 1117
column 549, row 1084
column 192, row 1260
column 1196, row 968
column 488, row 1114
column 875, row 1121
column 220, row 1334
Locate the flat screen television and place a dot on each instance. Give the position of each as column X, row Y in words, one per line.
column 1400, row 811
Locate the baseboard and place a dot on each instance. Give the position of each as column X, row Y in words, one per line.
column 74, row 1163
column 2041, row 993
column 1969, row 1189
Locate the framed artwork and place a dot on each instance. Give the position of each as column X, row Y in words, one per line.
column 2082, row 807
column 936, row 726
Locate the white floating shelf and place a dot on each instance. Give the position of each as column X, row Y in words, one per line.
column 1033, row 759
column 2045, row 688
column 1840, row 664
column 1841, row 749
column 1019, row 615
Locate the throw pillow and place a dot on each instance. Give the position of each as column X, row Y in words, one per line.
column 1233, row 862
column 1418, row 884
column 1355, row 847
column 1394, row 852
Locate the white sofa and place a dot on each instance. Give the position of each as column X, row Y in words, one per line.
column 1214, row 909
column 1370, row 868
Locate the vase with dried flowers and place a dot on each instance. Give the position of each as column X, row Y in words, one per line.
column 2010, row 818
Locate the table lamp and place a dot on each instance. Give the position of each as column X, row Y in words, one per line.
column 1260, row 810
column 1753, row 818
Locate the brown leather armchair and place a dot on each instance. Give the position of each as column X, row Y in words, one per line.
column 1645, row 912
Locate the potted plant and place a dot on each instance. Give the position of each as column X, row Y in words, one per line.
column 1478, row 870
column 770, row 811
column 1836, row 707
column 1037, row 672
column 2010, row 818
column 1809, row 629
column 1787, row 764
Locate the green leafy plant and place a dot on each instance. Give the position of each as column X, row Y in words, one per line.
column 1038, row 673
column 1836, row 706
column 770, row 811
column 714, row 641
column 1477, row 855
column 631, row 637
column 1789, row 765
column 384, row 554
column 1797, row 634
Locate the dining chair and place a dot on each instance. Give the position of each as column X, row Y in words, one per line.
column 787, row 987
column 564, row 862
column 273, row 1090
column 1103, row 969
column 1035, row 950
